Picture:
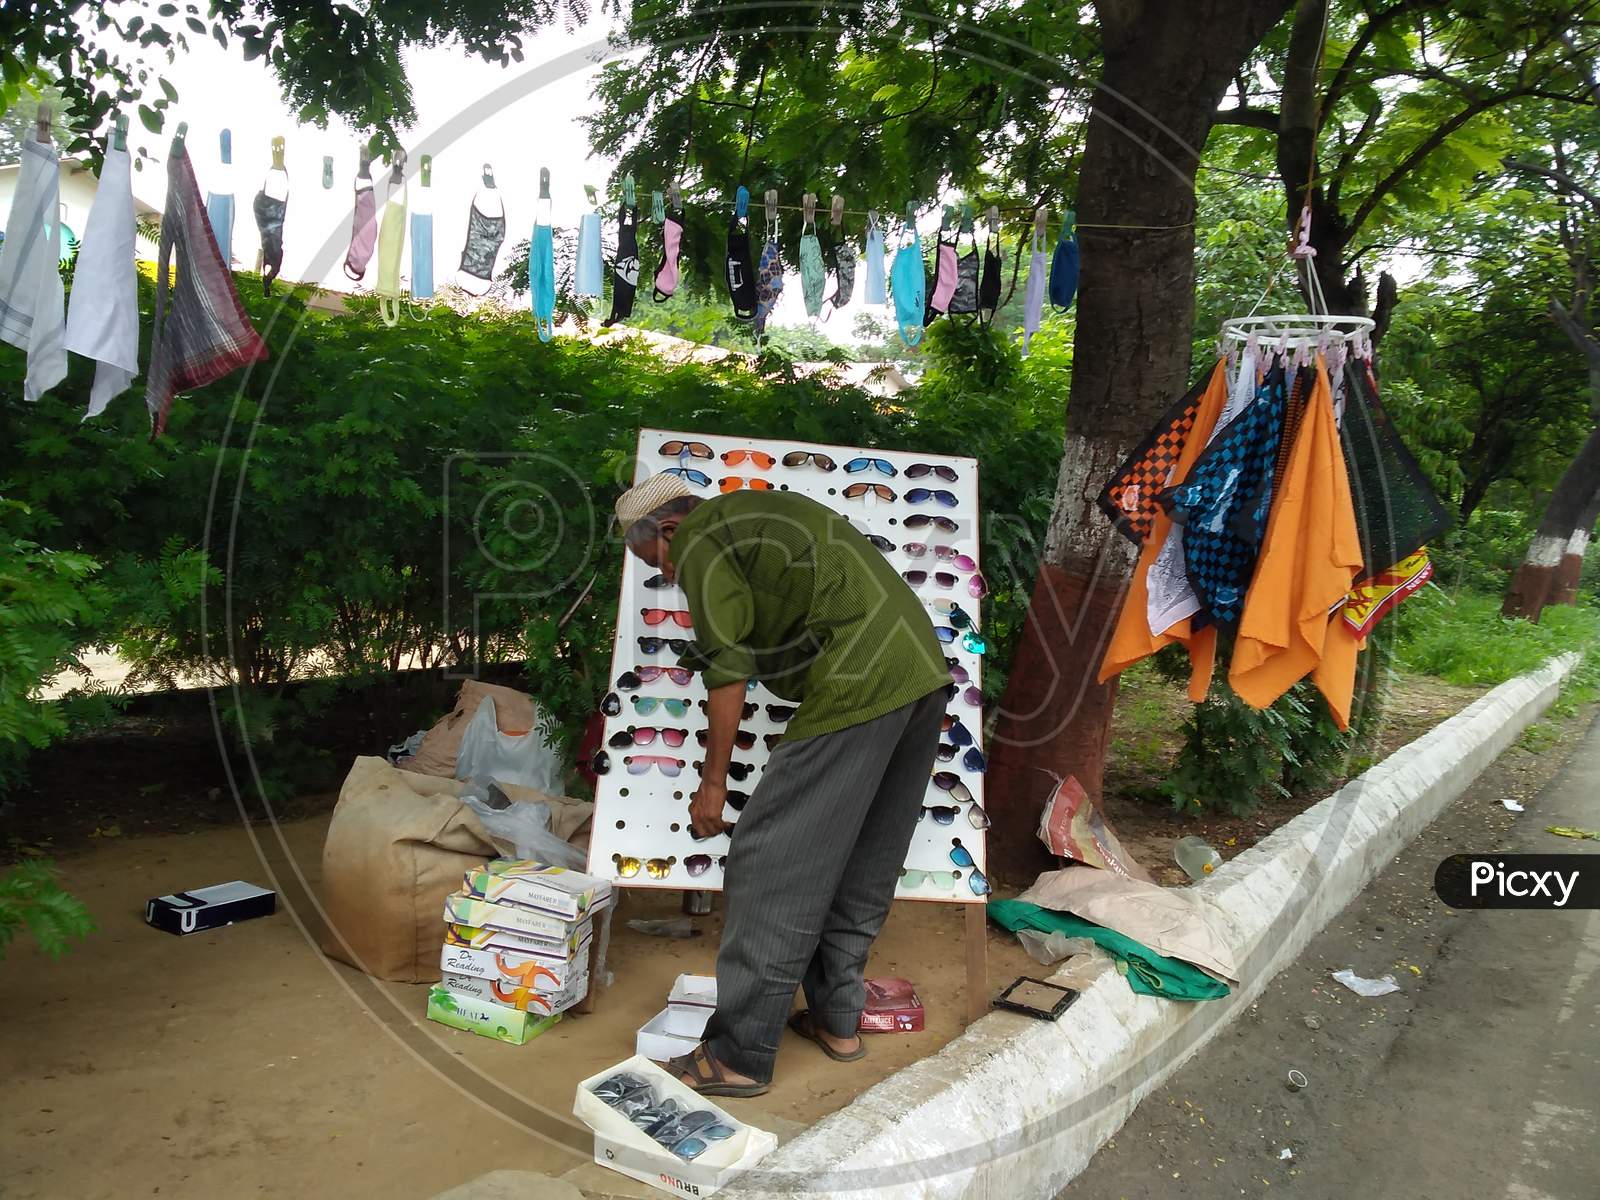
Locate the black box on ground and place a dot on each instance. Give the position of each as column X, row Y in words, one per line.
column 209, row 907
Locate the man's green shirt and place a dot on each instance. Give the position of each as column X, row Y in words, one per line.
column 785, row 590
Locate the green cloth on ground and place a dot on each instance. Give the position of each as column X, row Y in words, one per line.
column 1147, row 972
column 785, row 590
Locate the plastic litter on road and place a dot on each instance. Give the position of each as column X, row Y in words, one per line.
column 1366, row 987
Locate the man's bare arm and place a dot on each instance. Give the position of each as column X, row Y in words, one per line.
column 724, row 705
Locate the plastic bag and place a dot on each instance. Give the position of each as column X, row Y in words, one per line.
column 667, row 927
column 1048, row 948
column 406, row 748
column 526, row 759
column 523, row 823
column 1381, row 986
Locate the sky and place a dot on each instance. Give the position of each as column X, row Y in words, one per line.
column 518, row 119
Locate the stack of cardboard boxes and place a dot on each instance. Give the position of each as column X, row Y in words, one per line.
column 516, row 949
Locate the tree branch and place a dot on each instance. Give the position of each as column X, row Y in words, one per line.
column 1362, row 136
column 1388, row 301
column 1581, row 64
column 1255, row 118
column 1419, row 152
column 1563, row 181
column 1576, row 332
column 1358, row 48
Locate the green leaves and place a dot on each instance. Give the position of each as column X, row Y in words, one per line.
column 31, row 900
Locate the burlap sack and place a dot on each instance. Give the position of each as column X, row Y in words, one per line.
column 398, row 844
column 513, row 712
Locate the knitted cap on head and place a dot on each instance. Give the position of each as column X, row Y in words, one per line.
column 643, row 499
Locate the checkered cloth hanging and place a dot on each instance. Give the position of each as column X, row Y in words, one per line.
column 1223, row 504
column 1130, row 497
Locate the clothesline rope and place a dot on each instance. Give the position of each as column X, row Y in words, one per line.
column 1011, row 210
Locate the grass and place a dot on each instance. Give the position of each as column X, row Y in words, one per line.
column 1462, row 638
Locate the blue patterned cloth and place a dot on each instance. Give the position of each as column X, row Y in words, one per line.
column 1224, row 501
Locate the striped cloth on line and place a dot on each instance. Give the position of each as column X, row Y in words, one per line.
column 206, row 334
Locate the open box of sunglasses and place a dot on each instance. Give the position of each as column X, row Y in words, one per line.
column 652, row 1128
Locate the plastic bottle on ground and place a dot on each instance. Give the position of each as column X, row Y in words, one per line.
column 1196, row 857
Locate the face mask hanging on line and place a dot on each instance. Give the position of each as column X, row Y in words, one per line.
column 271, row 206
column 1064, row 270
column 875, row 286
column 769, row 274
column 422, row 233
column 671, row 247
column 964, row 299
column 486, row 231
column 841, row 261
column 392, row 242
column 989, row 284
column 944, row 278
column 813, row 272
column 1038, row 275
column 910, row 293
column 738, row 272
column 625, row 267
column 363, row 224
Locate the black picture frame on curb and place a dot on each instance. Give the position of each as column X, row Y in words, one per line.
column 1036, row 998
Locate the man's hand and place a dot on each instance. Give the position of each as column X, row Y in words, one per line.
column 705, row 810
column 723, row 708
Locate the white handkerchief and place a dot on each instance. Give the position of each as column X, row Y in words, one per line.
column 103, row 322
column 31, row 297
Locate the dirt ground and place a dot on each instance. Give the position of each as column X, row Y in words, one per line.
column 242, row 1061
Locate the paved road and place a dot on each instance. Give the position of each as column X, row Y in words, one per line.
column 1481, row 1079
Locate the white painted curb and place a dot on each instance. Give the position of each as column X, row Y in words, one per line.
column 1015, row 1108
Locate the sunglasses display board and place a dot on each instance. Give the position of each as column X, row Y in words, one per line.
column 921, row 512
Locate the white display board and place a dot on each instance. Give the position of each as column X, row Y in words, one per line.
column 644, row 817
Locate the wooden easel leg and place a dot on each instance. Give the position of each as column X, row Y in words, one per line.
column 977, row 961
column 597, row 958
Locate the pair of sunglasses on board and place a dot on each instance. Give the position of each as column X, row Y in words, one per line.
column 681, row 449
column 912, row 877
column 645, row 706
column 972, row 760
column 638, row 764
column 632, row 681
column 884, row 467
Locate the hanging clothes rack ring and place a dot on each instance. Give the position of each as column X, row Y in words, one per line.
column 1297, row 331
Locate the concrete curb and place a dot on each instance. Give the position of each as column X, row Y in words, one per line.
column 1015, row 1108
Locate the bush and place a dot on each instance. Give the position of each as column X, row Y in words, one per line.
column 32, row 900
column 47, row 610
column 1482, row 553
column 1235, row 758
column 438, row 492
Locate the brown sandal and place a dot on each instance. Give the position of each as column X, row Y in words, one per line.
column 802, row 1024
column 711, row 1081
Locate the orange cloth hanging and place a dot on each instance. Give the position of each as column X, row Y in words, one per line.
column 1309, row 558
column 1133, row 639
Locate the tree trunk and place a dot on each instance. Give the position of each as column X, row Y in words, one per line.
column 1167, row 64
column 1534, row 582
column 1564, row 588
